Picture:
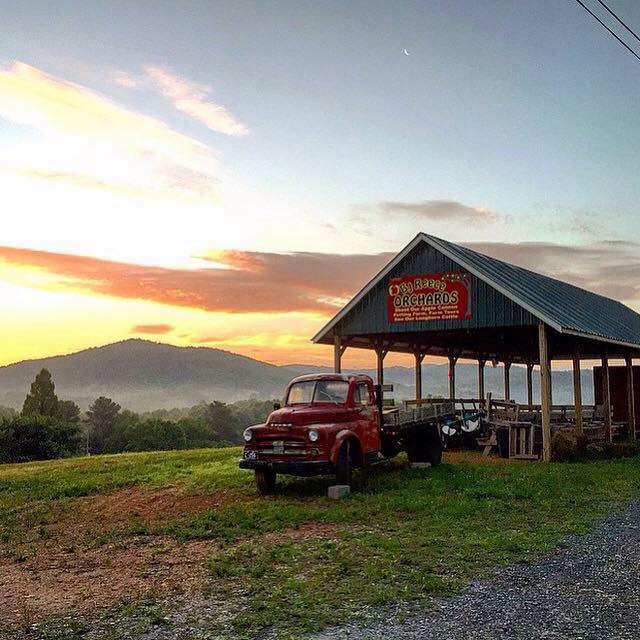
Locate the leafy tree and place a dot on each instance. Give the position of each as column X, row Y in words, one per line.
column 102, row 417
column 220, row 419
column 197, row 433
column 117, row 440
column 252, row 411
column 69, row 411
column 42, row 399
column 197, row 411
column 35, row 437
column 7, row 413
column 154, row 435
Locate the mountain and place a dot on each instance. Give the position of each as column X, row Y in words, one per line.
column 144, row 375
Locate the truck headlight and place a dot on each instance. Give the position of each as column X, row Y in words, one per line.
column 313, row 435
column 247, row 435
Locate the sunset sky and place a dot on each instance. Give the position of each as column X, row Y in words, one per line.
column 228, row 174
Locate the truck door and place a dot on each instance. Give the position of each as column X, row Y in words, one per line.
column 367, row 418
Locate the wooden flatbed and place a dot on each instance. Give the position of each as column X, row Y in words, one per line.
column 398, row 418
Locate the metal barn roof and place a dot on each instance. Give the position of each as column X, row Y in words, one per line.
column 564, row 307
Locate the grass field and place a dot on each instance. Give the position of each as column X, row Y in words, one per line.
column 181, row 540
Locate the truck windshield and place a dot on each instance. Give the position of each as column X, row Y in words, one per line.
column 309, row 391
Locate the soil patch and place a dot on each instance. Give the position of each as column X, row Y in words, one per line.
column 142, row 504
column 92, row 579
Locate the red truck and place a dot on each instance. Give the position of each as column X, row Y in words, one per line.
column 331, row 423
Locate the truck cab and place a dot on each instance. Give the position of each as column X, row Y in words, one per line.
column 328, row 424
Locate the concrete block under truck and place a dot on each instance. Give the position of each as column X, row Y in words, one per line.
column 333, row 423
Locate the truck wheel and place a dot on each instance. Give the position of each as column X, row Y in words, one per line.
column 265, row 481
column 389, row 448
column 424, row 445
column 343, row 464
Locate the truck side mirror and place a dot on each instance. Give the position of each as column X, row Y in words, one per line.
column 276, row 406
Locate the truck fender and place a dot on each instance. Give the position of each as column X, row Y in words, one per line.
column 341, row 436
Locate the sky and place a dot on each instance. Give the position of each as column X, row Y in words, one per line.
column 229, row 174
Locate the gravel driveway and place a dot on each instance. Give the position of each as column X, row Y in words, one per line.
column 590, row 589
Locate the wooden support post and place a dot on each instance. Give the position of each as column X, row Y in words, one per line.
column 530, row 383
column 481, row 364
column 452, row 376
column 338, row 350
column 577, row 391
column 631, row 402
column 545, row 391
column 606, row 397
column 507, row 380
column 381, row 352
column 419, row 356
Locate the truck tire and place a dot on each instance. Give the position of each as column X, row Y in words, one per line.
column 265, row 481
column 343, row 464
column 389, row 448
column 424, row 445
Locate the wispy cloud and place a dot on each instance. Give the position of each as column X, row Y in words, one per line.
column 249, row 282
column 100, row 142
column 152, row 329
column 124, row 79
column 393, row 214
column 438, row 210
column 193, row 99
column 256, row 282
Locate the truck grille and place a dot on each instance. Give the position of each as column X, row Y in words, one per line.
column 287, row 439
column 282, row 448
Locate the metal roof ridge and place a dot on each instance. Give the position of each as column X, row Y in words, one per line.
column 559, row 325
column 488, row 278
column 456, row 253
column 536, row 273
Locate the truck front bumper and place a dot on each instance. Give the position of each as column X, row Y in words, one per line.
column 291, row 467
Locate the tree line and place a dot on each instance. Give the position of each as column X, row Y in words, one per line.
column 48, row 427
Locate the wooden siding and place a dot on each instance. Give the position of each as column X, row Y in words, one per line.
column 490, row 308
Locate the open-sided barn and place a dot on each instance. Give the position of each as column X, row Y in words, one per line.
column 440, row 298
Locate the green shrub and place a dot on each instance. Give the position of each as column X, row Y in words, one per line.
column 154, row 435
column 36, row 437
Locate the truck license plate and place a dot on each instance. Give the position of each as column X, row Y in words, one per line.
column 250, row 455
column 278, row 446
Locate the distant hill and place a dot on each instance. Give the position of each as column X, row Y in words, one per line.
column 144, row 375
column 435, row 381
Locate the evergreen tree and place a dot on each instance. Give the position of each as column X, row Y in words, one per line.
column 42, row 399
column 69, row 411
column 102, row 416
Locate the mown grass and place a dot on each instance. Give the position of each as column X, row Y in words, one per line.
column 32, row 493
column 401, row 536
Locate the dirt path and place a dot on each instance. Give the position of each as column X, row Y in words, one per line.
column 589, row 590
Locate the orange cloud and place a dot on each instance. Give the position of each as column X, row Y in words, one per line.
column 254, row 282
column 154, row 329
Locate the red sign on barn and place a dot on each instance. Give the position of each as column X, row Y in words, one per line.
column 433, row 296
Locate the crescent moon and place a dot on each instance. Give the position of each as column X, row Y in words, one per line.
column 406, row 53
